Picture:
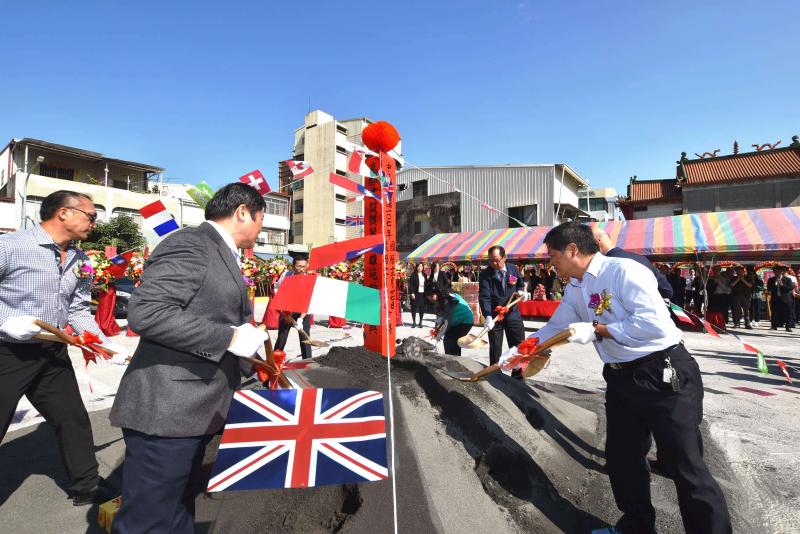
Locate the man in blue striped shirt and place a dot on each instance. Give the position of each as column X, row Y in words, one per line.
column 40, row 278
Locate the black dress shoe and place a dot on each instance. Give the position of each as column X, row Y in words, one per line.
column 101, row 493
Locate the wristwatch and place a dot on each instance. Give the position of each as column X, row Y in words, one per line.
column 597, row 335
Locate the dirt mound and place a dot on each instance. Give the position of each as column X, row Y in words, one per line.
column 499, row 454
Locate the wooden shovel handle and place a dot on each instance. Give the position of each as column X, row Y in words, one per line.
column 60, row 334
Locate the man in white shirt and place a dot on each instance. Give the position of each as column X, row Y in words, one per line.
column 654, row 384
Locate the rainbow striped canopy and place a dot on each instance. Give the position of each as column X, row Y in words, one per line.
column 749, row 234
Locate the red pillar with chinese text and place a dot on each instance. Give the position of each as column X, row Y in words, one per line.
column 379, row 269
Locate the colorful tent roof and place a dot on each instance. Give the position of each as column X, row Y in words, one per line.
column 752, row 234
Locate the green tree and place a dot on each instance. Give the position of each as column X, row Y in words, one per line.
column 121, row 232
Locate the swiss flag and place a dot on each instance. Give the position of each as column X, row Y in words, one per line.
column 257, row 181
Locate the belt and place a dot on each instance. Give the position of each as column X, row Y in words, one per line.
column 659, row 354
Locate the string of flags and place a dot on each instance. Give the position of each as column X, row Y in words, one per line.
column 683, row 315
column 344, row 251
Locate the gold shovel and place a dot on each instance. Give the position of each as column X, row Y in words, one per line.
column 541, row 350
column 308, row 340
column 472, row 341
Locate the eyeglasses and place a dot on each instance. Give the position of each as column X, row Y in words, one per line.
column 92, row 216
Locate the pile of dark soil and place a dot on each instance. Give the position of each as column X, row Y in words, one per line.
column 520, row 459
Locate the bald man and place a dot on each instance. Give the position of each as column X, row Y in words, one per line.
column 608, row 248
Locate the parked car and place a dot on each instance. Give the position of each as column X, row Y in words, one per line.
column 124, row 287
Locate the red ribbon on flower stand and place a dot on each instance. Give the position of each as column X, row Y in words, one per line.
column 104, row 316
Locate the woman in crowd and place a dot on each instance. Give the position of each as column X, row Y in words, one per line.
column 440, row 277
column 416, row 292
column 756, row 295
column 454, row 316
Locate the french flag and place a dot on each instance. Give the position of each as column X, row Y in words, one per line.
column 119, row 264
column 158, row 218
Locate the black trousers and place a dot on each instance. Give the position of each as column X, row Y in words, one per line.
column 283, row 334
column 638, row 402
column 451, row 336
column 419, row 305
column 160, row 481
column 781, row 314
column 43, row 372
column 515, row 334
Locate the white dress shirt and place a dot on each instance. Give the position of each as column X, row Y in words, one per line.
column 638, row 320
column 228, row 238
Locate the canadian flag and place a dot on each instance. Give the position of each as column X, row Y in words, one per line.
column 356, row 163
column 257, row 181
column 300, row 169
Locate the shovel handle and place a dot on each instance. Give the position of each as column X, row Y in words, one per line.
column 60, row 334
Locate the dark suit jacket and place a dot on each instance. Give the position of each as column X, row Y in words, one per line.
column 413, row 283
column 664, row 287
column 181, row 378
column 443, row 281
column 491, row 293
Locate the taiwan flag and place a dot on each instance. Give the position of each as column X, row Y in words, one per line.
column 119, row 264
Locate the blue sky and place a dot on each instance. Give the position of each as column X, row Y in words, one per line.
column 213, row 90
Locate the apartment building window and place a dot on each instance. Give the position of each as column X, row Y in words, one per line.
column 299, row 157
column 595, row 204
column 298, row 206
column 341, row 129
column 525, row 214
column 341, row 149
column 273, row 236
column 341, row 198
column 276, row 207
column 341, row 173
column 339, row 222
column 422, row 223
column 297, row 185
column 298, row 230
column 419, row 188
column 51, row 171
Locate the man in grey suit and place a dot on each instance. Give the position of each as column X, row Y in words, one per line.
column 193, row 315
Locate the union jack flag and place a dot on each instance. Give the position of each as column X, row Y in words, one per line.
column 354, row 220
column 298, row 438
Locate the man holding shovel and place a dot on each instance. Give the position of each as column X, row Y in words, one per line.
column 497, row 285
column 654, row 384
column 299, row 265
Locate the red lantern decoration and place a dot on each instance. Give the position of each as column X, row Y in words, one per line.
column 380, row 136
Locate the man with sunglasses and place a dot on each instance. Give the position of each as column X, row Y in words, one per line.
column 40, row 278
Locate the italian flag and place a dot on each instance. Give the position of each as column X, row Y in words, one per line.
column 680, row 314
column 318, row 295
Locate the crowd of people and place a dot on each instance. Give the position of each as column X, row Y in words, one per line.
column 738, row 295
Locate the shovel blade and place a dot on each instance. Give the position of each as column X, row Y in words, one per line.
column 464, row 376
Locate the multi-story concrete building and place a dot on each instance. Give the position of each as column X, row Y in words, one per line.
column 31, row 169
column 435, row 200
column 600, row 203
column 319, row 210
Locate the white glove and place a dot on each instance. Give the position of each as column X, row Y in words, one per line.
column 489, row 323
column 523, row 296
column 584, row 333
column 121, row 354
column 21, row 328
column 507, row 355
column 247, row 340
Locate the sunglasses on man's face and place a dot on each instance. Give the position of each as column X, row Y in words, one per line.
column 92, row 216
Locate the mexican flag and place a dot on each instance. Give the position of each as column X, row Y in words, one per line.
column 680, row 314
column 318, row 295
